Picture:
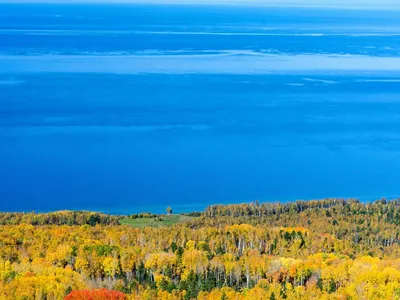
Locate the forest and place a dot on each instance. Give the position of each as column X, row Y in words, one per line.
column 322, row 249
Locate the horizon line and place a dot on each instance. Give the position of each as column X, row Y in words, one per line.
column 255, row 3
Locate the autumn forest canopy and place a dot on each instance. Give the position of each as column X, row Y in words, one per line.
column 325, row 249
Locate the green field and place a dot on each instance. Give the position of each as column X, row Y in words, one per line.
column 167, row 220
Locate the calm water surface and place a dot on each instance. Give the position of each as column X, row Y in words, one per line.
column 128, row 108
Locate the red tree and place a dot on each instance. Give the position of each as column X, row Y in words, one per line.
column 102, row 294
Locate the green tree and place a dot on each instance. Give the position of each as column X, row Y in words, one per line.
column 169, row 210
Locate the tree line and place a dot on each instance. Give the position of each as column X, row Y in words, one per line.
column 327, row 249
column 59, row 218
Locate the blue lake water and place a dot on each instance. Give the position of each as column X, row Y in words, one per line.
column 129, row 108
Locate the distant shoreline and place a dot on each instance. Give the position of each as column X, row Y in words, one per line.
column 191, row 208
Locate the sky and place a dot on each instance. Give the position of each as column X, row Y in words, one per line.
column 317, row 3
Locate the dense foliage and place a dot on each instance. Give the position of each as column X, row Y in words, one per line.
column 328, row 249
column 96, row 295
column 59, row 218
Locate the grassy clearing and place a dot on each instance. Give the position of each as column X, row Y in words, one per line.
column 167, row 220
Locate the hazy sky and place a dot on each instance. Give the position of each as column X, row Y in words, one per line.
column 321, row 3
